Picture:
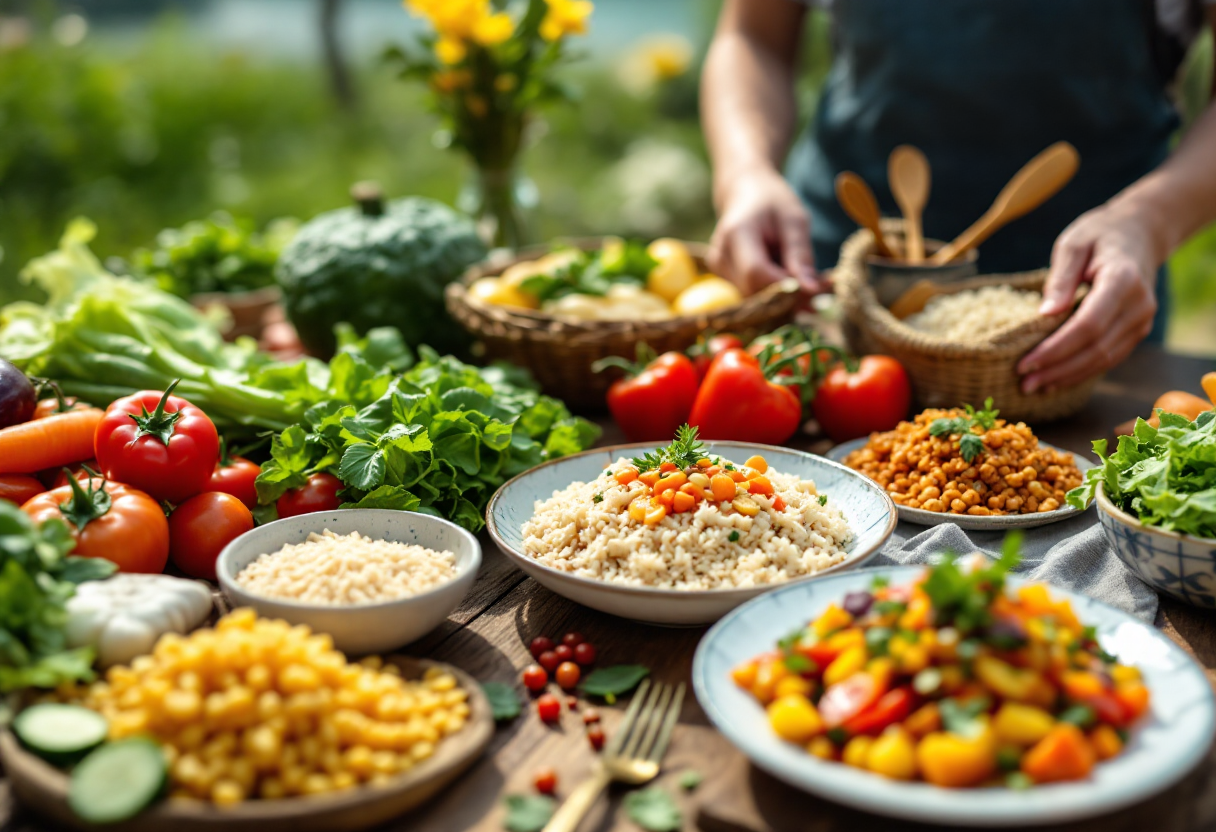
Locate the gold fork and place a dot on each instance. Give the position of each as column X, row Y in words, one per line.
column 633, row 754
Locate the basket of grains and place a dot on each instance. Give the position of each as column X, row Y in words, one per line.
column 961, row 341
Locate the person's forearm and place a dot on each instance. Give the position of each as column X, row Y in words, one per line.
column 747, row 99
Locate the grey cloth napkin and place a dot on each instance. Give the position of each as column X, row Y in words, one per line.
column 1073, row 554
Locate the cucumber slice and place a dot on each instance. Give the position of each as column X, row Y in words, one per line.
column 60, row 733
column 118, row 780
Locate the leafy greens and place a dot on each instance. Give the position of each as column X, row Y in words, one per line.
column 37, row 577
column 970, row 444
column 1165, row 476
column 439, row 439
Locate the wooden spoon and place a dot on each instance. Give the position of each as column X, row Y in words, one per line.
column 858, row 202
column 914, row 298
column 1040, row 179
column 909, row 177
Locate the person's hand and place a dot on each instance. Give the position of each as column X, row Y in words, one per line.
column 763, row 235
column 1113, row 248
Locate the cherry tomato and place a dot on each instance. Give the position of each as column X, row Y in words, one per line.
column 595, row 735
column 548, row 708
column 564, row 653
column 320, row 494
column 584, row 653
column 567, row 675
column 591, row 716
column 888, row 710
column 19, row 489
column 235, row 475
column 573, row 639
column 201, row 527
column 875, row 397
column 75, row 471
column 49, row 407
column 545, row 780
column 549, row 660
column 572, row 703
column 108, row 520
column 540, row 644
column 535, row 678
column 846, row 699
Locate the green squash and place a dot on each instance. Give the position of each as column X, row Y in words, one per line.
column 377, row 264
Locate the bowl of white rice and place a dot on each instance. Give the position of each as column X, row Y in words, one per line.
column 373, row 579
column 568, row 524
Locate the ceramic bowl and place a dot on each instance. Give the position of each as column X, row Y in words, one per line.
column 868, row 510
column 362, row 628
column 1169, row 562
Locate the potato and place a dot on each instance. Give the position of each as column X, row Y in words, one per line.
column 708, row 294
column 675, row 272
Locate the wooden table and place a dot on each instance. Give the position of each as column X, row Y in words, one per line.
column 488, row 635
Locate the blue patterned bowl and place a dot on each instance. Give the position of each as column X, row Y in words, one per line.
column 1176, row 564
column 867, row 508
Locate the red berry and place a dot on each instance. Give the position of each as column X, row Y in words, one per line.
column 548, row 708
column 595, row 735
column 535, row 678
column 565, row 653
column 545, row 780
column 539, row 645
column 584, row 653
column 549, row 660
column 573, row 639
column 591, row 716
column 572, row 703
column 567, row 675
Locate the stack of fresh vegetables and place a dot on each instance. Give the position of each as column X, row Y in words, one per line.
column 757, row 393
column 620, row 281
column 951, row 679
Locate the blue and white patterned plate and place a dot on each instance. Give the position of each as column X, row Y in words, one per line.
column 965, row 521
column 1163, row 747
column 868, row 510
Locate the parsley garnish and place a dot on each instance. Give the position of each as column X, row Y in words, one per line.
column 963, row 600
column 683, row 452
column 733, row 536
column 970, row 444
column 823, row 499
column 598, row 498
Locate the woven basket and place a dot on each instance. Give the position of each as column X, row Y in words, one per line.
column 560, row 351
column 948, row 373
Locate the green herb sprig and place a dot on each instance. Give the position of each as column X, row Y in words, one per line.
column 963, row 599
column 682, row 453
column 970, row 444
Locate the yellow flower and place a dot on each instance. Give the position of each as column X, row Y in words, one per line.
column 493, row 29
column 450, row 51
column 565, row 17
column 655, row 59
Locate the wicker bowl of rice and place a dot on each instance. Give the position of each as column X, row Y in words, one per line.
column 575, row 527
column 963, row 344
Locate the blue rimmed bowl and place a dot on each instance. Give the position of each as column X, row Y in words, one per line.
column 868, row 510
column 1176, row 564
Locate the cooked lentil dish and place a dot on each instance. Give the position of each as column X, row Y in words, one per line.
column 966, row 462
column 952, row 680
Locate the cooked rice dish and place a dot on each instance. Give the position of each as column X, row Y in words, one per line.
column 976, row 313
column 708, row 525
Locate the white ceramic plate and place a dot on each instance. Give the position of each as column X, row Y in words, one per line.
column 1168, row 743
column 868, row 510
column 965, row 521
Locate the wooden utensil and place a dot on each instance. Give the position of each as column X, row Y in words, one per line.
column 909, row 177
column 1040, row 179
column 913, row 300
column 858, row 202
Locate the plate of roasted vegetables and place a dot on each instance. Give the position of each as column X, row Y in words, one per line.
column 956, row 694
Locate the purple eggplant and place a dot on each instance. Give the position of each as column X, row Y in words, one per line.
column 17, row 396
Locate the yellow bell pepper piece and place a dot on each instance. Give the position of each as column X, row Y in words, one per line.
column 794, row 718
column 1021, row 725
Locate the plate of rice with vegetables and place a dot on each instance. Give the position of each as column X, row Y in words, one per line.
column 697, row 526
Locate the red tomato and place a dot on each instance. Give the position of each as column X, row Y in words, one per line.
column 567, row 675
column 573, row 639
column 158, row 443
column 875, row 397
column 19, row 489
column 535, row 678
column 235, row 475
column 545, row 780
column 595, row 736
column 703, row 352
column 548, row 708
column 549, row 660
column 844, row 700
column 651, row 402
column 564, row 653
column 584, row 653
column 540, row 644
column 888, row 710
column 736, row 401
column 201, row 527
column 110, row 521
column 75, row 471
column 591, row 716
column 49, row 407
column 320, row 494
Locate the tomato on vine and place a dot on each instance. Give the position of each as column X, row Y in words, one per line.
column 320, row 493
column 201, row 527
column 235, row 475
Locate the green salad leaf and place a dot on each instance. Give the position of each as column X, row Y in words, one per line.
column 528, row 813
column 570, row 271
column 504, row 701
column 1165, row 476
column 37, row 577
column 611, row 682
column 653, row 809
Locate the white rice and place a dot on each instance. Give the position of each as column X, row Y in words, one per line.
column 689, row 551
column 976, row 313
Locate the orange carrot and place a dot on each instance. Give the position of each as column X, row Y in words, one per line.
column 1182, row 403
column 48, row 443
column 1064, row 754
column 1209, row 386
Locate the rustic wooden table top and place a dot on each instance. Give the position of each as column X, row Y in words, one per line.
column 488, row 637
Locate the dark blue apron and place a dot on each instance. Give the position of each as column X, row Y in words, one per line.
column 981, row 86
